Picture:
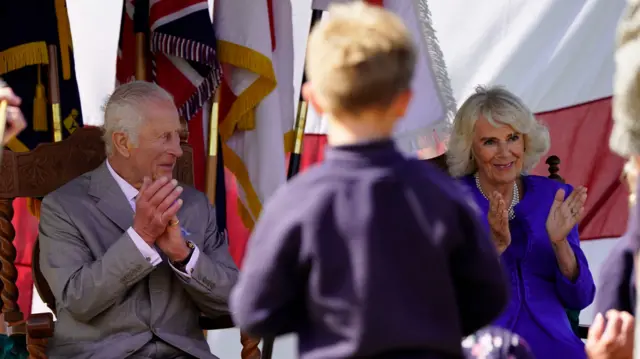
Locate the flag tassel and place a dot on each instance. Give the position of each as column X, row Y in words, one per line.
column 20, row 56
column 40, row 106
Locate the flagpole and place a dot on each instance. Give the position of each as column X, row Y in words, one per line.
column 301, row 118
column 54, row 93
column 141, row 29
column 212, row 158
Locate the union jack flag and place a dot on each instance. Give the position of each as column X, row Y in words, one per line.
column 183, row 61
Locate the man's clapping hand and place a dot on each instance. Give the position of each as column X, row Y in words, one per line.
column 156, row 205
column 15, row 119
column 613, row 339
column 172, row 243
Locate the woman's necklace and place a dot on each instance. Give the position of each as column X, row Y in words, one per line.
column 514, row 201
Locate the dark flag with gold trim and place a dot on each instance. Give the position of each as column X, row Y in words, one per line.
column 24, row 65
column 33, row 25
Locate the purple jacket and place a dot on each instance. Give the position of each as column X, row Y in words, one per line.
column 539, row 292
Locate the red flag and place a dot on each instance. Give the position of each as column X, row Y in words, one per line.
column 256, row 106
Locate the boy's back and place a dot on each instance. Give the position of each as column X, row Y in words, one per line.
column 370, row 254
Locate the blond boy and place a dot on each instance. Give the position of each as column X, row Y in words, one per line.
column 370, row 254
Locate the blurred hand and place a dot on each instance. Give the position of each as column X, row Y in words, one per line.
column 156, row 204
column 498, row 218
column 613, row 340
column 15, row 120
column 565, row 214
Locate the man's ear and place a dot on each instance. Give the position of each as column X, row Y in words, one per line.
column 121, row 144
column 308, row 93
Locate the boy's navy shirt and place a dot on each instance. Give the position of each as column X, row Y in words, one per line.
column 370, row 254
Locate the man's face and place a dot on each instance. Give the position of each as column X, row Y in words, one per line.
column 158, row 142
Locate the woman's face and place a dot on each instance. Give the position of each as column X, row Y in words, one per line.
column 498, row 151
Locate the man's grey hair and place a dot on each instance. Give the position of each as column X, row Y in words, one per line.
column 498, row 106
column 123, row 111
column 625, row 136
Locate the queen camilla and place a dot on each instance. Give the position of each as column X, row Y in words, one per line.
column 532, row 219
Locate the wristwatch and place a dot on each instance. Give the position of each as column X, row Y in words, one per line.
column 182, row 265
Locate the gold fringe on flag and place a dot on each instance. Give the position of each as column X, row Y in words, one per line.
column 17, row 57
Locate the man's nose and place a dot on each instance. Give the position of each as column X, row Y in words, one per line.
column 175, row 148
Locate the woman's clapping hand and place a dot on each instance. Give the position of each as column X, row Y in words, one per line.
column 565, row 214
column 498, row 217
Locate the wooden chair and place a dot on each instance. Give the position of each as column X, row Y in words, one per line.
column 553, row 162
column 37, row 173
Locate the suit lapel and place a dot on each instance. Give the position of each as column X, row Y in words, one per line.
column 111, row 201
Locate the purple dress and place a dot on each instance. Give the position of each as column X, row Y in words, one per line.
column 539, row 292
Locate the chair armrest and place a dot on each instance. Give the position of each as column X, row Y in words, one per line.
column 221, row 322
column 40, row 326
column 583, row 331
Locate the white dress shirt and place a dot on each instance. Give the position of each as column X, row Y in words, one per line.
column 150, row 253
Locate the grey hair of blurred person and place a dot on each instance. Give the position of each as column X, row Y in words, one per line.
column 499, row 107
column 625, row 136
column 124, row 110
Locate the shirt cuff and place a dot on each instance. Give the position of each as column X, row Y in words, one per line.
column 148, row 252
column 188, row 269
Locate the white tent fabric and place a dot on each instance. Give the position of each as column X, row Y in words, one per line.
column 428, row 119
column 95, row 27
column 553, row 54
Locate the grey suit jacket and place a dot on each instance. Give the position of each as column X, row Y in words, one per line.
column 110, row 300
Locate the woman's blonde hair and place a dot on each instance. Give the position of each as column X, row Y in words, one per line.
column 498, row 106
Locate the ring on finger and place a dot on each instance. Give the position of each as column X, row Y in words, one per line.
column 174, row 223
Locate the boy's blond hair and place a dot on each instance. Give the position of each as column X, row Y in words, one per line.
column 361, row 57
